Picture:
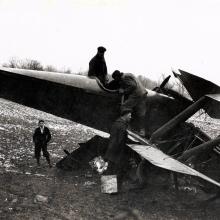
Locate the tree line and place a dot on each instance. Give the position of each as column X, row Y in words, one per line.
column 31, row 64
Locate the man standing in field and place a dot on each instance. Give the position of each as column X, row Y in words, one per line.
column 41, row 137
column 97, row 66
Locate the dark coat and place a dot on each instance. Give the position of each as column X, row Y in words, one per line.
column 117, row 141
column 131, row 85
column 98, row 68
column 41, row 139
column 135, row 96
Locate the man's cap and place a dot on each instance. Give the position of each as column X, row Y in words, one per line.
column 117, row 74
column 101, row 49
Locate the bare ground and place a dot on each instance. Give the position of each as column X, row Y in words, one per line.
column 76, row 195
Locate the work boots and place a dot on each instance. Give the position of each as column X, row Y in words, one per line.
column 48, row 161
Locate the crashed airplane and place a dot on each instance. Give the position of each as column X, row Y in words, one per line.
column 170, row 141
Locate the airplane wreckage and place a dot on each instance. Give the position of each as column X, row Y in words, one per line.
column 170, row 143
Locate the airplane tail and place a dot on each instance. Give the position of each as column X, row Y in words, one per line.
column 198, row 87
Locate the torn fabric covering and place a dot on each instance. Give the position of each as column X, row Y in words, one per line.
column 198, row 87
column 216, row 97
column 213, row 106
column 160, row 159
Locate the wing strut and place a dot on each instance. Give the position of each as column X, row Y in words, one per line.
column 160, row 159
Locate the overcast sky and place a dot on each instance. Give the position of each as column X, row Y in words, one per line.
column 147, row 37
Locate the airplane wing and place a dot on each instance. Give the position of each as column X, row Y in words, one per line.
column 78, row 98
column 74, row 97
column 155, row 156
column 160, row 159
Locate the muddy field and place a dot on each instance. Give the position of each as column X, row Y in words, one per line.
column 76, row 195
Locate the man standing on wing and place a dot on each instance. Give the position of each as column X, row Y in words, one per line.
column 97, row 66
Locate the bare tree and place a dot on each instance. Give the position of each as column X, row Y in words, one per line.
column 180, row 88
column 50, row 68
column 147, row 83
column 82, row 73
column 65, row 70
column 31, row 65
column 24, row 64
column 13, row 63
column 68, row 71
